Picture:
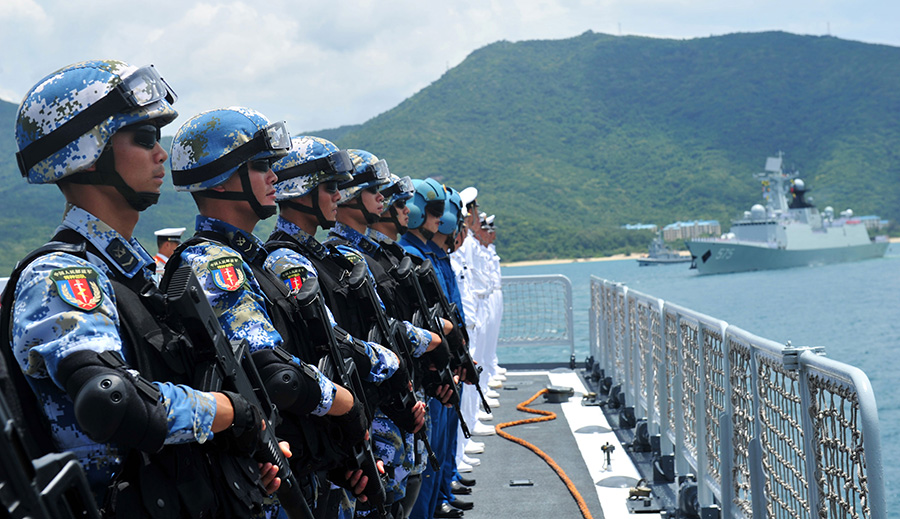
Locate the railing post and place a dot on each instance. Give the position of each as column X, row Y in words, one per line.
column 791, row 360
column 757, row 475
column 704, row 491
column 682, row 466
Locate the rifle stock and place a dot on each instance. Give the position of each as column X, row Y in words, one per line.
column 315, row 317
column 436, row 300
column 220, row 365
column 53, row 486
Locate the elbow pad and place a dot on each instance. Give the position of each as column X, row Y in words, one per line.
column 112, row 404
column 293, row 388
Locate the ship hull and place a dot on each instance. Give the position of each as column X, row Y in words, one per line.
column 645, row 262
column 722, row 257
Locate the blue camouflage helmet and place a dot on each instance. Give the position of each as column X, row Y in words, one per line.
column 211, row 146
column 311, row 161
column 395, row 190
column 452, row 212
column 368, row 171
column 428, row 192
column 66, row 120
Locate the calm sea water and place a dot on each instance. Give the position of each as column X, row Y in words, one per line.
column 851, row 309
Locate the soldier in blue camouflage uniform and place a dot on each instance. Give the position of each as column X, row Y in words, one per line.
column 223, row 158
column 360, row 205
column 93, row 129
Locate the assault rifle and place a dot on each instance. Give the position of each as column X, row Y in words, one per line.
column 458, row 338
column 53, row 486
column 338, row 367
column 222, row 364
column 392, row 336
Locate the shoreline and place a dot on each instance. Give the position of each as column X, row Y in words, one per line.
column 615, row 257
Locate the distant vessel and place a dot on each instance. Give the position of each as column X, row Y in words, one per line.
column 787, row 232
column 660, row 254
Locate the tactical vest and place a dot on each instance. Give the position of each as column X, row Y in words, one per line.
column 334, row 273
column 311, row 437
column 192, row 480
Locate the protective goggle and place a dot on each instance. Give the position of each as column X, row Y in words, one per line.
column 337, row 164
column 273, row 138
column 145, row 86
column 377, row 173
column 141, row 88
column 402, row 187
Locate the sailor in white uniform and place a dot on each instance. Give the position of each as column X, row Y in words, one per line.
column 167, row 240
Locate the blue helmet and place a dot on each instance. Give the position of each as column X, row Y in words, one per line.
column 211, row 146
column 65, row 121
column 453, row 208
column 368, row 171
column 311, row 161
column 429, row 192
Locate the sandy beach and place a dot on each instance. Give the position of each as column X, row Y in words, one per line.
column 603, row 258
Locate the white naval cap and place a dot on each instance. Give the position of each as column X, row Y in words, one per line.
column 170, row 232
column 468, row 195
column 489, row 220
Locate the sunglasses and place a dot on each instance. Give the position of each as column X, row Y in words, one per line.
column 372, row 189
column 400, row 204
column 144, row 135
column 260, row 165
column 330, row 187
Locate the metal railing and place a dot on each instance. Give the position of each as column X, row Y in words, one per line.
column 537, row 311
column 768, row 430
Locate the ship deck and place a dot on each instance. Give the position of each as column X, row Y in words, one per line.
column 573, row 441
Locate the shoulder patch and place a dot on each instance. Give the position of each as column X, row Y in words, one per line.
column 294, row 277
column 78, row 286
column 227, row 273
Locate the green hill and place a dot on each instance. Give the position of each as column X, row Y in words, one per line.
column 569, row 139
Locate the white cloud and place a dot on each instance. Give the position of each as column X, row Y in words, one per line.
column 325, row 64
column 25, row 11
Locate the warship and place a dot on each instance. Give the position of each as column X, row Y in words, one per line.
column 787, row 232
column 658, row 253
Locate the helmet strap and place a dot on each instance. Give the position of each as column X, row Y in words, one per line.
column 105, row 174
column 361, row 207
column 315, row 210
column 394, row 219
column 245, row 194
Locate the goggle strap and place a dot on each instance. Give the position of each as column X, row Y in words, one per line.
column 235, row 158
column 70, row 130
column 308, row 168
column 370, row 175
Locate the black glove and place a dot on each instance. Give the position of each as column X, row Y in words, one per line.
column 244, row 434
column 351, row 427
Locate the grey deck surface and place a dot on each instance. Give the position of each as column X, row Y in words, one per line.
column 504, row 460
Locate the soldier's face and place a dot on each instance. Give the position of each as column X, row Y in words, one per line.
column 373, row 202
column 327, row 201
column 262, row 182
column 140, row 167
column 432, row 222
column 402, row 214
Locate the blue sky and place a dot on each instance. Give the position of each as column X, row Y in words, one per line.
column 326, row 64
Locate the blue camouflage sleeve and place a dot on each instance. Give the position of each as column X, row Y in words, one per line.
column 233, row 294
column 420, row 337
column 64, row 304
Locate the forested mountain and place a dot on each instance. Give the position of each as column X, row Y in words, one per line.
column 569, row 139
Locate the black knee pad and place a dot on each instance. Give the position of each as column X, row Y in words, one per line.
column 111, row 403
